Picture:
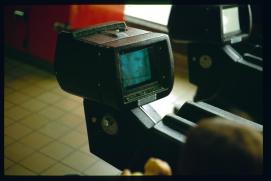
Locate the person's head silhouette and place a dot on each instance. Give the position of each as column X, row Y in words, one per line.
column 220, row 146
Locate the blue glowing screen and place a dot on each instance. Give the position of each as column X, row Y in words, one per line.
column 135, row 67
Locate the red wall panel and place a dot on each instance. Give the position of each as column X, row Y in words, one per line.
column 85, row 15
column 34, row 32
column 15, row 27
column 43, row 36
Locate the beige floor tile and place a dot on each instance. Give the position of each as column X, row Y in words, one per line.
column 54, row 129
column 57, row 150
column 17, row 84
column 82, row 128
column 47, row 84
column 64, row 114
column 33, row 91
column 8, row 140
column 49, row 97
column 59, row 91
column 7, row 79
column 34, row 121
column 8, row 121
column 35, row 140
column 51, row 112
column 17, row 151
column 17, row 98
column 75, row 98
column 8, row 105
column 8, row 91
column 18, row 170
column 8, row 163
column 31, row 77
column 79, row 160
column 85, row 148
column 17, row 131
column 16, row 113
column 79, row 111
column 74, row 139
column 33, row 105
column 101, row 168
column 71, row 120
column 37, row 162
column 67, row 104
column 61, row 170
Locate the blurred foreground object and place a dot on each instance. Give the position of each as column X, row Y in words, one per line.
column 153, row 166
column 217, row 146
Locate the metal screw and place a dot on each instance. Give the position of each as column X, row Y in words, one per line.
column 194, row 59
column 205, row 61
column 93, row 119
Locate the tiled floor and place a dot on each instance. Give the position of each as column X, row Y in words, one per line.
column 44, row 127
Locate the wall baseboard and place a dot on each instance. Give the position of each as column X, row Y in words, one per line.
column 29, row 59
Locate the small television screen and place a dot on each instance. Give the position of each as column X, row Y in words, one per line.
column 135, row 68
column 230, row 20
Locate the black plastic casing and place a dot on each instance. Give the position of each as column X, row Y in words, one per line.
column 203, row 23
column 89, row 67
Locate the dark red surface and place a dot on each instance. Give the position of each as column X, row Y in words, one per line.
column 43, row 36
column 15, row 27
column 85, row 15
column 34, row 33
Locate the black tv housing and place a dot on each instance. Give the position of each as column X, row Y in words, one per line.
column 88, row 64
column 206, row 23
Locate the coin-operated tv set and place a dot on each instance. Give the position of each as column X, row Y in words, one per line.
column 217, row 24
column 115, row 65
column 222, row 54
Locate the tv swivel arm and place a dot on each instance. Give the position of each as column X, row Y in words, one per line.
column 195, row 111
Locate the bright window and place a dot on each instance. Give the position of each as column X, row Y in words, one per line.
column 148, row 15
